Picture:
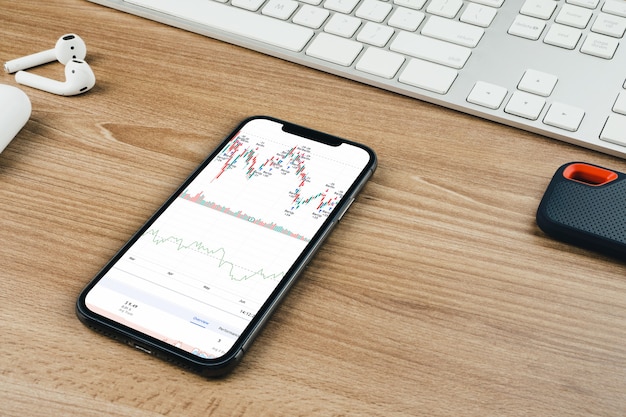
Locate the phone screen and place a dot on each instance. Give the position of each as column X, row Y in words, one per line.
column 200, row 270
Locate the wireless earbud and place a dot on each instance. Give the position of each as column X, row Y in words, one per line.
column 79, row 78
column 67, row 48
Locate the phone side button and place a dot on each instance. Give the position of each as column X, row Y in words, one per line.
column 345, row 209
column 239, row 354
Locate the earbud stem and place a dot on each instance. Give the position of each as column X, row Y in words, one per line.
column 79, row 78
column 41, row 83
column 30, row 61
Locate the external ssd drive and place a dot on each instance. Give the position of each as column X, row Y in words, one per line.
column 585, row 205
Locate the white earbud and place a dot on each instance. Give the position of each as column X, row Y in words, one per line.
column 68, row 47
column 79, row 78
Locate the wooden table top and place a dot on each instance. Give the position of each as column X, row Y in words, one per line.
column 437, row 295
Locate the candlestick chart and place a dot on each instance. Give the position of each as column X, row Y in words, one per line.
column 290, row 174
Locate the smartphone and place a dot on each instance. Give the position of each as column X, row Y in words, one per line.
column 585, row 205
column 198, row 281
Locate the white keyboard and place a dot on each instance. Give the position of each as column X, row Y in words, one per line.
column 553, row 67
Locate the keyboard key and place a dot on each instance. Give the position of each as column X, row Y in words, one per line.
column 341, row 6
column 252, row 5
column 478, row 15
column 599, row 45
column 429, row 76
column 235, row 21
column 620, row 103
column 452, row 31
column 590, row 4
column 615, row 130
column 564, row 117
column 280, row 9
column 487, row 95
column 373, row 10
column 445, row 8
column 541, row 9
column 311, row 2
column 610, row 25
column 412, row 4
column 563, row 36
column 574, row 16
column 537, row 82
column 525, row 105
column 407, row 19
column 616, row 7
column 310, row 16
column 492, row 3
column 380, row 62
column 433, row 50
column 334, row 49
column 342, row 25
column 375, row 34
column 527, row 27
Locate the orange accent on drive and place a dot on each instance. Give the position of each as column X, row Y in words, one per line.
column 589, row 174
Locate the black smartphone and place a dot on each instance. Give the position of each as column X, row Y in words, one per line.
column 199, row 280
column 585, row 205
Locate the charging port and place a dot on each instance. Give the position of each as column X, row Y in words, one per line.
column 143, row 349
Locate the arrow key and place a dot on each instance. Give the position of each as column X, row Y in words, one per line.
column 525, row 105
column 564, row 117
column 487, row 95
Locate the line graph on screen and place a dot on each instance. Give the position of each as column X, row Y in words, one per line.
column 218, row 256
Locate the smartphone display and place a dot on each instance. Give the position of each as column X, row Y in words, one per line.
column 200, row 278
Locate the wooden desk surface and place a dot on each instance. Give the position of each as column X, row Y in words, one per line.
column 437, row 295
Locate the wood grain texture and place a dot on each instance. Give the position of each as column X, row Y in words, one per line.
column 437, row 295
